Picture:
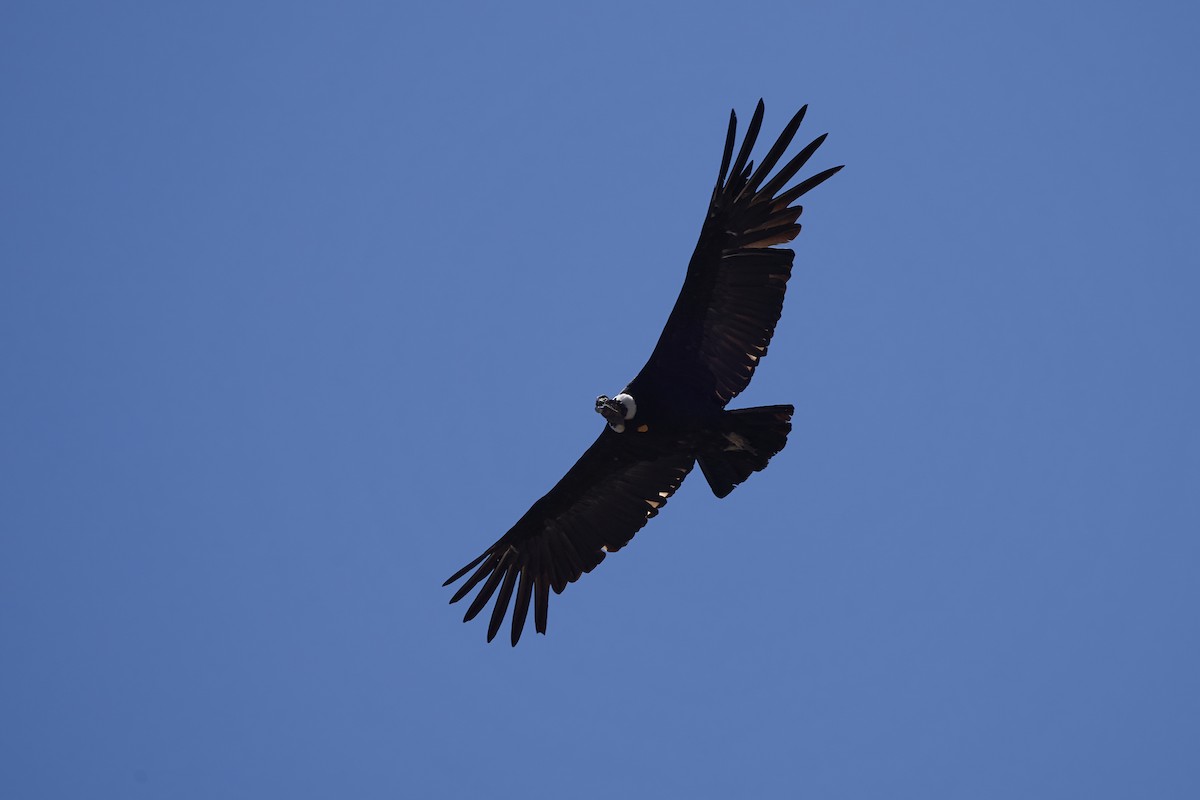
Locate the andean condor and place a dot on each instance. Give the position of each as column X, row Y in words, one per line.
column 672, row 415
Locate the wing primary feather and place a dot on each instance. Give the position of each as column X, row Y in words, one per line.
column 480, row 574
column 541, row 603
column 467, row 569
column 729, row 138
column 521, row 608
column 808, row 184
column 777, row 150
column 506, row 590
column 791, row 168
column 485, row 593
column 748, row 142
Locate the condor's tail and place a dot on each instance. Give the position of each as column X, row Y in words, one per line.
column 743, row 443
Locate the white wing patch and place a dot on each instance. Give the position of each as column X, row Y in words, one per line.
column 655, row 504
column 737, row 442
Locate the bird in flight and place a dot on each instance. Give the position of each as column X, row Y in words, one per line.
column 672, row 415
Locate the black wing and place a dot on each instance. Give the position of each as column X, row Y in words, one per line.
column 619, row 483
column 726, row 313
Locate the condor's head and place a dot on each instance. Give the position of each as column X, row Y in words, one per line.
column 616, row 410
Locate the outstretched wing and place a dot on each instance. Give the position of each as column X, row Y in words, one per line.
column 732, row 297
column 619, row 483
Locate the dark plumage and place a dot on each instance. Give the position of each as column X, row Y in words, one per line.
column 672, row 415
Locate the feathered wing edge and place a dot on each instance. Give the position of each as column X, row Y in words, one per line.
column 594, row 510
column 742, row 192
column 747, row 289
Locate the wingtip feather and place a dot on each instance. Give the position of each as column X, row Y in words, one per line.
column 489, row 587
column 502, row 600
column 467, row 568
column 730, row 137
column 777, row 150
column 521, row 607
column 748, row 141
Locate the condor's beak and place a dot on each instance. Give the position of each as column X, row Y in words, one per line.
column 611, row 410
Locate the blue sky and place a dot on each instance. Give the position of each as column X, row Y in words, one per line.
column 302, row 305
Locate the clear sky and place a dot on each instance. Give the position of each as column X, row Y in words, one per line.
column 303, row 304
